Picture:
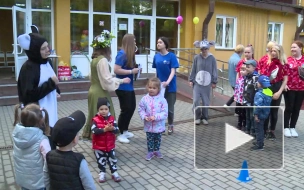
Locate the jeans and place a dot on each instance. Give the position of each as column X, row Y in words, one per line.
column 127, row 102
column 259, row 132
column 171, row 99
column 293, row 103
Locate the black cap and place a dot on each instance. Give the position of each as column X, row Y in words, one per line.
column 66, row 129
column 103, row 102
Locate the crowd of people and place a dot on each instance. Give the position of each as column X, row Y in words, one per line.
column 285, row 76
column 43, row 144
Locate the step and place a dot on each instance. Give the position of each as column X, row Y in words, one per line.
column 65, row 96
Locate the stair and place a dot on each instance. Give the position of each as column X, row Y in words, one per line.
column 70, row 90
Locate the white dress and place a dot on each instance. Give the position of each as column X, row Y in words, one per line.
column 49, row 102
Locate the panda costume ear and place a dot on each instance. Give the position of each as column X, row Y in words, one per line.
column 35, row 29
column 196, row 44
column 24, row 41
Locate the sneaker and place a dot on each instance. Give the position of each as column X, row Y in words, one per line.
column 271, row 136
column 255, row 144
column 236, row 115
column 102, row 177
column 198, row 121
column 293, row 132
column 287, row 132
column 170, row 130
column 256, row 148
column 205, row 122
column 116, row 177
column 226, row 107
column 123, row 139
column 149, row 156
column 128, row 134
column 158, row 154
column 266, row 134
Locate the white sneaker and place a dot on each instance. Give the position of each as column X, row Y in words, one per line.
column 287, row 132
column 293, row 132
column 102, row 177
column 128, row 134
column 198, row 121
column 205, row 122
column 226, row 107
column 122, row 139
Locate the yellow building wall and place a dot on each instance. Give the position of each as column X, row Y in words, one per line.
column 62, row 29
column 252, row 26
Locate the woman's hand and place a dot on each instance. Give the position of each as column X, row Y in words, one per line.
column 286, row 88
column 165, row 84
column 55, row 79
column 135, row 71
column 191, row 84
column 58, row 95
column 213, row 85
column 256, row 118
column 126, row 80
column 276, row 95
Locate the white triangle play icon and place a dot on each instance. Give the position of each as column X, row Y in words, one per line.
column 235, row 138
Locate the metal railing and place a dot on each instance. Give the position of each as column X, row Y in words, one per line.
column 186, row 56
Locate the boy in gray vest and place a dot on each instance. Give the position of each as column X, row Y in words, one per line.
column 65, row 169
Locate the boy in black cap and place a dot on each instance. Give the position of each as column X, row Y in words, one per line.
column 249, row 92
column 263, row 97
column 64, row 168
column 103, row 142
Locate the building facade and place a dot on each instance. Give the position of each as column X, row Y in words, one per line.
column 70, row 26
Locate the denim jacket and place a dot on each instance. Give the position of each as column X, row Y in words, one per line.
column 263, row 97
column 156, row 106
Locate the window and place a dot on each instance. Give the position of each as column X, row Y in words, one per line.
column 79, row 32
column 225, row 32
column 136, row 7
column 275, row 31
column 167, row 8
column 167, row 28
column 10, row 3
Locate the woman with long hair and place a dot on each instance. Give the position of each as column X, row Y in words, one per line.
column 275, row 69
column 248, row 55
column 263, row 62
column 166, row 63
column 101, row 79
column 125, row 66
column 294, row 94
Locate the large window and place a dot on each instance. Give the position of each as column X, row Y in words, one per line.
column 167, row 8
column 225, row 32
column 136, row 7
column 10, row 3
column 79, row 32
column 43, row 21
column 275, row 32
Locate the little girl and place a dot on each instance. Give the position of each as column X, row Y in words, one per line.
column 238, row 97
column 30, row 146
column 103, row 142
column 153, row 109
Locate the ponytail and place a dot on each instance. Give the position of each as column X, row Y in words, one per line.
column 17, row 118
column 45, row 127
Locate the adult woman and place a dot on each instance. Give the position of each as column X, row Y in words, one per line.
column 263, row 62
column 101, row 79
column 275, row 69
column 295, row 90
column 248, row 55
column 125, row 66
column 166, row 63
column 232, row 63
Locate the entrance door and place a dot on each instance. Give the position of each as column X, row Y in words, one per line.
column 19, row 27
column 143, row 29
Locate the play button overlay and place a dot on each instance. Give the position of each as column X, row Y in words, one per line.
column 220, row 145
column 235, row 138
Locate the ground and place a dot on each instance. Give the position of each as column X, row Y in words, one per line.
column 176, row 170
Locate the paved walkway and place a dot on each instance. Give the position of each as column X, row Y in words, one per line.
column 176, row 170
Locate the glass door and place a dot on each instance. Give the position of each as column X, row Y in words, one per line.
column 19, row 27
column 143, row 29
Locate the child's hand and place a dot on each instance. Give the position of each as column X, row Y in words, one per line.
column 147, row 119
column 108, row 127
column 152, row 118
column 256, row 118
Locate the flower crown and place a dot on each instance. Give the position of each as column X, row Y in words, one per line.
column 103, row 40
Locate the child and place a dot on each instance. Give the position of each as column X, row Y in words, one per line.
column 30, row 146
column 65, row 169
column 153, row 109
column 104, row 128
column 249, row 92
column 238, row 97
column 263, row 97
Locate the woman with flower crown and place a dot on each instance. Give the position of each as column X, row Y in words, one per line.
column 101, row 79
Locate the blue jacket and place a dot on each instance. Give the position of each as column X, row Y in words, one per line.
column 263, row 97
column 233, row 61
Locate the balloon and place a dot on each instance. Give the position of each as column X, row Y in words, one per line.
column 141, row 23
column 179, row 19
column 195, row 20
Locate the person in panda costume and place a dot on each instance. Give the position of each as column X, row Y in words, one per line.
column 203, row 78
column 37, row 81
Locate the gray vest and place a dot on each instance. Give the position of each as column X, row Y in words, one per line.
column 28, row 160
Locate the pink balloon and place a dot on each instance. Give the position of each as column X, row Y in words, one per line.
column 179, row 19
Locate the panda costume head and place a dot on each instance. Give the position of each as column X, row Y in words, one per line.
column 32, row 43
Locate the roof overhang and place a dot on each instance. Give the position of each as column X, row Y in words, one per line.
column 269, row 5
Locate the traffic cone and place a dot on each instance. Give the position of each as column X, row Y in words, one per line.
column 244, row 173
